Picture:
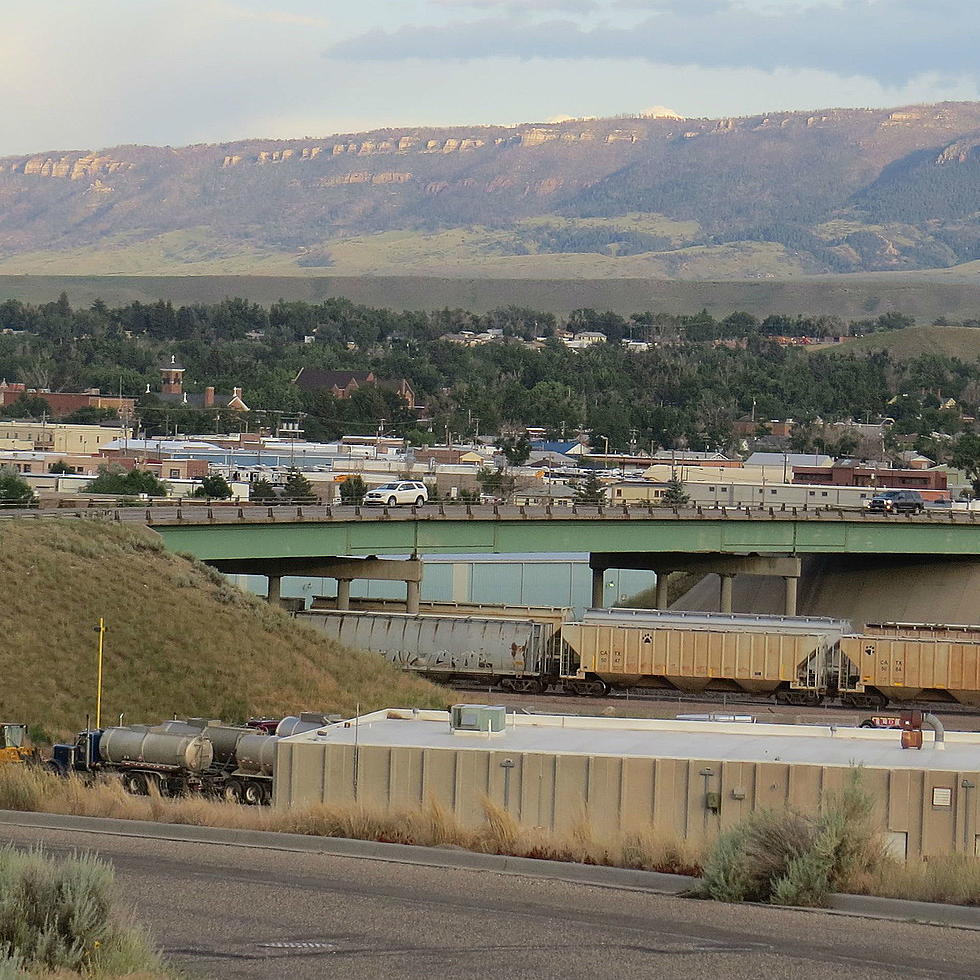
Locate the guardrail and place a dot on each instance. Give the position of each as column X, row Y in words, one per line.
column 203, row 512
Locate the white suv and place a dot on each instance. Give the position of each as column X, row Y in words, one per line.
column 391, row 494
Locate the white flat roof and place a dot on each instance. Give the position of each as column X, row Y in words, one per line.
column 659, row 739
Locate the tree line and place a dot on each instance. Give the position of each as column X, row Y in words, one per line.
column 683, row 392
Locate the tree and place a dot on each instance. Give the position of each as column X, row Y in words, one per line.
column 14, row 489
column 298, row 488
column 675, row 495
column 515, row 448
column 495, row 483
column 261, row 490
column 966, row 457
column 90, row 415
column 60, row 466
column 214, row 487
column 590, row 490
column 352, row 490
column 113, row 478
column 27, row 407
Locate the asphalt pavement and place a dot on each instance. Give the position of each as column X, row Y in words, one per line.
column 226, row 911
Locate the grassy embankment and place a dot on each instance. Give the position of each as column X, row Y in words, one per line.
column 781, row 857
column 959, row 342
column 180, row 639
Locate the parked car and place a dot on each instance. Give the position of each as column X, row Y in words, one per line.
column 392, row 494
column 897, row 502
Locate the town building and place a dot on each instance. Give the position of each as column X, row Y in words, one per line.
column 60, row 437
column 343, row 384
column 172, row 392
column 851, row 473
column 690, row 779
column 62, row 403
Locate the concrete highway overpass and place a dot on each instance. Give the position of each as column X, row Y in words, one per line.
column 346, row 543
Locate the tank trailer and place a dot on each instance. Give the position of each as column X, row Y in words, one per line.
column 180, row 757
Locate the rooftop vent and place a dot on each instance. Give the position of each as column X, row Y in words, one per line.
column 477, row 718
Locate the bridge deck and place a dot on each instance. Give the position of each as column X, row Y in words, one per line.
column 231, row 532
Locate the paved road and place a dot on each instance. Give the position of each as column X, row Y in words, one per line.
column 236, row 912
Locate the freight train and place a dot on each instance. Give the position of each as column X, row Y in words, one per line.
column 180, row 757
column 796, row 660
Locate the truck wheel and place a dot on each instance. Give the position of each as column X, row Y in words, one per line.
column 253, row 794
column 232, row 791
column 135, row 783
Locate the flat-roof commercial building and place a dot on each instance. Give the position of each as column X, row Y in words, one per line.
column 690, row 779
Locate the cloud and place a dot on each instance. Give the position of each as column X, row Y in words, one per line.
column 525, row 6
column 890, row 40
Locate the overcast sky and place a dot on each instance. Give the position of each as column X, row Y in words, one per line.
column 85, row 74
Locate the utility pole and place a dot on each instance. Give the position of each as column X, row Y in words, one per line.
column 98, row 695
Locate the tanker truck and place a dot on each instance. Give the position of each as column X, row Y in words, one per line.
column 242, row 763
column 174, row 763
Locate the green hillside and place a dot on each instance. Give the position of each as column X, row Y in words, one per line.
column 776, row 195
column 959, row 342
column 180, row 639
column 852, row 297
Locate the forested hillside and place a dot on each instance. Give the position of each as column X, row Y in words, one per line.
column 842, row 190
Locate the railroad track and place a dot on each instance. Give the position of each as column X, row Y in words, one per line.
column 723, row 701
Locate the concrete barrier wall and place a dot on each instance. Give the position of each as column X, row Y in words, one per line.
column 921, row 811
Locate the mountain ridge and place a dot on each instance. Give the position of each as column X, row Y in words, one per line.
column 759, row 196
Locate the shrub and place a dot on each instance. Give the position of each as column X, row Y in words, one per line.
column 790, row 858
column 57, row 915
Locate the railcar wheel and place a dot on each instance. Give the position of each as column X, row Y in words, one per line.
column 527, row 685
column 869, row 699
column 593, row 687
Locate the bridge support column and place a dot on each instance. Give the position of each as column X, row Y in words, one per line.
column 598, row 587
column 412, row 591
column 662, row 580
column 343, row 593
column 274, row 592
column 789, row 605
column 727, row 583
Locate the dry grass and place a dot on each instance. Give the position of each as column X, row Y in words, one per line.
column 950, row 878
column 862, row 866
column 431, row 825
column 180, row 638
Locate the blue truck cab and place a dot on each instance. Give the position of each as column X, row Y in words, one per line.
column 80, row 756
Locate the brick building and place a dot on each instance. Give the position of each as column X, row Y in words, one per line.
column 851, row 474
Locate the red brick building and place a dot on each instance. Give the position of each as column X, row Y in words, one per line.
column 63, row 403
column 854, row 475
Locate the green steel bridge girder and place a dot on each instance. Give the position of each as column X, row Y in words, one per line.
column 729, row 535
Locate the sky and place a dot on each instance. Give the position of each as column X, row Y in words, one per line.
column 89, row 74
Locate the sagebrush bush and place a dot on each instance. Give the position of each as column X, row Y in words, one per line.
column 57, row 916
column 790, row 858
column 11, row 966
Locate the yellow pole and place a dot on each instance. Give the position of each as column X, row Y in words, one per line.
column 98, row 697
